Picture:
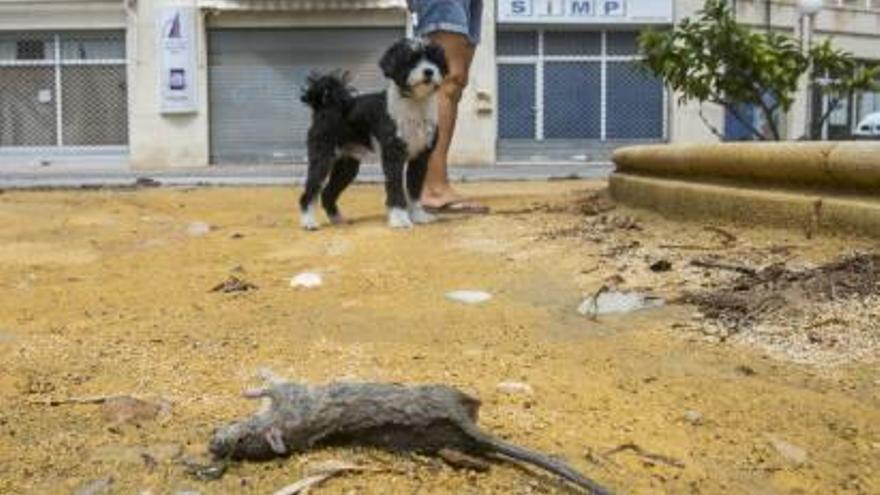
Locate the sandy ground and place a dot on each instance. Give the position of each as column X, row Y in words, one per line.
column 106, row 292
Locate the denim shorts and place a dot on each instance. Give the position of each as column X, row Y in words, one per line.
column 454, row 16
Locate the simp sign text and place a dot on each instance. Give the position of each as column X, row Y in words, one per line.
column 585, row 11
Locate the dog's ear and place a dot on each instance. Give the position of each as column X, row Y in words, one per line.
column 346, row 78
column 392, row 58
column 436, row 54
column 310, row 93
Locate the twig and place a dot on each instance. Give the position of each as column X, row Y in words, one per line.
column 825, row 323
column 645, row 454
column 691, row 247
column 593, row 313
column 323, row 473
column 725, row 266
column 100, row 399
column 728, row 237
column 460, row 460
column 306, row 483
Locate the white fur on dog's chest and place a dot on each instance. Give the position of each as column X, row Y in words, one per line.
column 416, row 120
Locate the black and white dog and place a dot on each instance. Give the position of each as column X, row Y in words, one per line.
column 399, row 123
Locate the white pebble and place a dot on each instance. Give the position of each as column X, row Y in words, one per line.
column 306, row 280
column 515, row 388
column 469, row 296
column 197, row 229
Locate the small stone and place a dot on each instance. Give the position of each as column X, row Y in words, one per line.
column 129, row 410
column 469, row 296
column 197, row 229
column 661, row 266
column 515, row 388
column 234, row 284
column 694, row 417
column 97, row 487
column 792, row 453
column 307, row 280
column 745, row 370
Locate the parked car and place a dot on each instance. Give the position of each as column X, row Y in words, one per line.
column 869, row 127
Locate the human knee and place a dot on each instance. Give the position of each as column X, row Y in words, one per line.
column 454, row 84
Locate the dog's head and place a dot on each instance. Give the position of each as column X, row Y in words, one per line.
column 417, row 67
column 328, row 90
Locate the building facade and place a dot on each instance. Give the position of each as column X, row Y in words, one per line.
column 194, row 83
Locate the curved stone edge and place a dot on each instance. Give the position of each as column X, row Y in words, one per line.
column 814, row 213
column 843, row 166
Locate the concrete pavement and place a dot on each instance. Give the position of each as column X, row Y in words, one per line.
column 109, row 174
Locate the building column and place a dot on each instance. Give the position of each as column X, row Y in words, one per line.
column 797, row 115
column 476, row 132
column 156, row 140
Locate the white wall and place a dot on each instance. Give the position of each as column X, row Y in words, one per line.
column 685, row 124
column 157, row 140
column 19, row 15
column 477, row 131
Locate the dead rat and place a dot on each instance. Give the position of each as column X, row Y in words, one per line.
column 423, row 419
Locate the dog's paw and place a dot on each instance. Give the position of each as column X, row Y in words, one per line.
column 308, row 221
column 418, row 214
column 398, row 218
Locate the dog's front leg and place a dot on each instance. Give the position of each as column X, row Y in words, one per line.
column 321, row 160
column 393, row 160
column 415, row 181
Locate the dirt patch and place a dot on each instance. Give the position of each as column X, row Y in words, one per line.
column 825, row 315
column 644, row 403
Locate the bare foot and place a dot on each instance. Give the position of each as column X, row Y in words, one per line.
column 449, row 201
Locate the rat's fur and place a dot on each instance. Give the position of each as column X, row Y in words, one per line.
column 425, row 419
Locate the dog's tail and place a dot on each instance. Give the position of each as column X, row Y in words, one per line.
column 328, row 91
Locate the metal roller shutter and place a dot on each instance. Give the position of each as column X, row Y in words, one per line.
column 254, row 81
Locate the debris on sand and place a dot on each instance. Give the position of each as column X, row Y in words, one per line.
column 322, row 472
column 611, row 302
column 198, row 229
column 307, row 280
column 124, row 409
column 693, row 417
column 423, row 419
column 790, row 452
column 233, row 284
column 823, row 315
column 515, row 388
column 644, row 454
column 469, row 296
column 660, row 266
column 96, row 487
column 595, row 203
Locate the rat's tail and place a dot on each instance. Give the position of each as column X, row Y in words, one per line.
column 544, row 462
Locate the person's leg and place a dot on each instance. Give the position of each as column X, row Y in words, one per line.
column 437, row 191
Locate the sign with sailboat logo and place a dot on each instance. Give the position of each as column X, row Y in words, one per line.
column 176, row 27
